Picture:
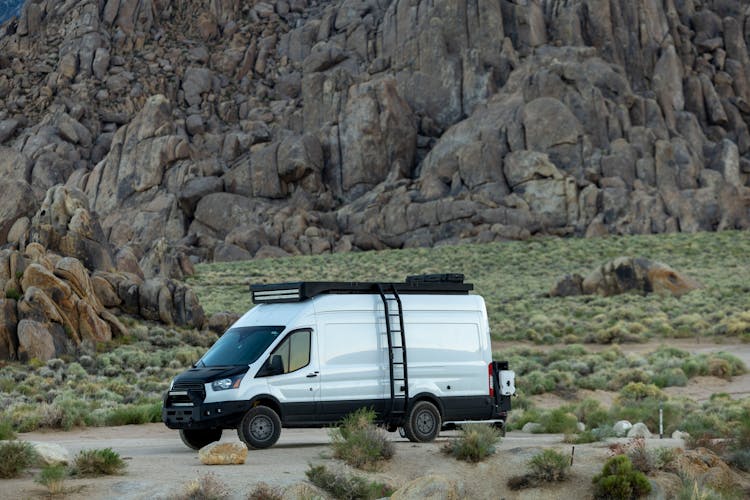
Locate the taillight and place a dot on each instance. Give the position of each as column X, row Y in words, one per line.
column 489, row 377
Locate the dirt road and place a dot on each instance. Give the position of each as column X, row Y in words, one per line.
column 159, row 465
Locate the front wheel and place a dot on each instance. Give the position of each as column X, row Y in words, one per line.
column 198, row 438
column 423, row 424
column 260, row 428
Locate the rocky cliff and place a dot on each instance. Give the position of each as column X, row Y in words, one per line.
column 220, row 129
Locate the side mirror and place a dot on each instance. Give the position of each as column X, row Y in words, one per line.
column 273, row 366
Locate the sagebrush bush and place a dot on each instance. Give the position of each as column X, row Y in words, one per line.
column 263, row 491
column 358, row 442
column 558, row 421
column 99, row 462
column 346, row 486
column 475, row 443
column 591, row 412
column 53, row 477
column 204, row 488
column 587, row 436
column 643, row 459
column 134, row 414
column 549, row 465
column 619, row 481
column 6, row 430
column 15, row 457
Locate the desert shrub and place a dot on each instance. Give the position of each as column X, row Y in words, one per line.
column 358, row 442
column 591, row 412
column 536, row 382
column 739, row 452
column 703, row 424
column 15, row 457
column 546, row 466
column 263, row 491
column 346, row 486
column 670, row 377
column 618, row 480
column 134, row 414
column 65, row 413
column 558, row 421
column 519, row 418
column 736, row 366
column 624, row 377
column 12, row 293
column 740, row 459
column 6, row 430
column 643, row 459
column 99, row 462
column 549, row 465
column 583, row 437
column 53, row 477
column 204, row 488
column 476, row 442
column 708, row 488
column 665, row 457
column 603, row 432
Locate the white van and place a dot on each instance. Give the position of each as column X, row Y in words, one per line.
column 309, row 353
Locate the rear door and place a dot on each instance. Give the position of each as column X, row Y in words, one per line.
column 292, row 373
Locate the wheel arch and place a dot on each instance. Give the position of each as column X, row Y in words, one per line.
column 269, row 401
column 426, row 396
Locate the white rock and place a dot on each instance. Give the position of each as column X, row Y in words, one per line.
column 51, row 453
column 639, row 430
column 580, row 426
column 223, row 454
column 432, row 486
column 621, row 427
column 680, row 435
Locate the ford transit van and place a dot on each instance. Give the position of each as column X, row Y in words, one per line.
column 418, row 353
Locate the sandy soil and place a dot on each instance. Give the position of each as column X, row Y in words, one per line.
column 159, row 465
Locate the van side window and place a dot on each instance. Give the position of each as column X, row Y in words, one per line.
column 292, row 354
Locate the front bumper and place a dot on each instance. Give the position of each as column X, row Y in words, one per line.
column 224, row 415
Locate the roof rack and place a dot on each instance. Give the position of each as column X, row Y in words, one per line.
column 442, row 284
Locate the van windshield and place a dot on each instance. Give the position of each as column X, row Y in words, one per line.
column 241, row 345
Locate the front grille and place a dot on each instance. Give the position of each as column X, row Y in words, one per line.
column 186, row 394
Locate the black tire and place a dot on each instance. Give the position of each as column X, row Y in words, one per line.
column 501, row 427
column 260, row 428
column 423, row 424
column 198, row 438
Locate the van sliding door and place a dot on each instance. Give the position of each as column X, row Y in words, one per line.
column 352, row 368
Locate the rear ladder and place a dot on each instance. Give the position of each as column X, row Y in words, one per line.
column 396, row 335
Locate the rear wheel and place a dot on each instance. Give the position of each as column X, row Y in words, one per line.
column 423, row 424
column 501, row 427
column 198, row 438
column 260, row 428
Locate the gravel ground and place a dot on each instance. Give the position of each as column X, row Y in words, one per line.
column 159, row 465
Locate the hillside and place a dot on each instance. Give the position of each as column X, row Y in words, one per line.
column 229, row 130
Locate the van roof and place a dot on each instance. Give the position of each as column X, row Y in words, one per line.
column 441, row 284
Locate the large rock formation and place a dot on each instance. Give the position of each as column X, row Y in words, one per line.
column 63, row 288
column 227, row 130
column 623, row 275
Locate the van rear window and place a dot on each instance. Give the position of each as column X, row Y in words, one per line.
column 241, row 345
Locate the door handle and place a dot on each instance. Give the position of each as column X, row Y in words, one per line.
column 313, row 374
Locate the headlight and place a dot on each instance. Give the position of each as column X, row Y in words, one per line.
column 227, row 383
column 171, row 384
